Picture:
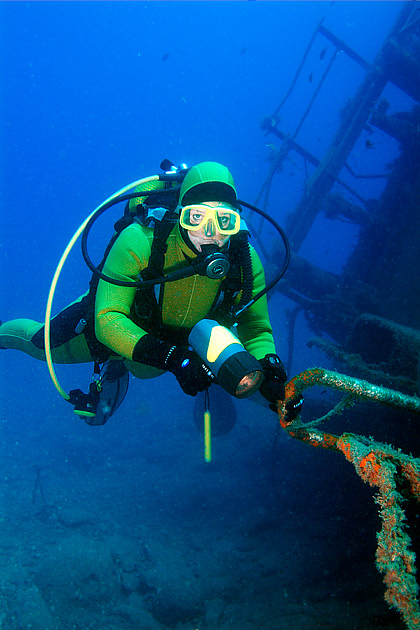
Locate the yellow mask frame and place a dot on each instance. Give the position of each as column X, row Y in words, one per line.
column 201, row 216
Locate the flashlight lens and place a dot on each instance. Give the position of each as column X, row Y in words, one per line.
column 249, row 384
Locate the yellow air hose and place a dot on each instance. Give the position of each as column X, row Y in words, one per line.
column 47, row 338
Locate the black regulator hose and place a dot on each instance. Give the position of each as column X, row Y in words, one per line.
column 286, row 262
column 190, row 270
column 95, row 216
column 246, row 264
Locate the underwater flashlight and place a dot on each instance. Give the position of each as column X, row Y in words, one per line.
column 237, row 371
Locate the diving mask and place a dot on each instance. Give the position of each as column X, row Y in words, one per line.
column 222, row 218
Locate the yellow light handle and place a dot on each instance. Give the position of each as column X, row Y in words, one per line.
column 47, row 339
column 207, row 436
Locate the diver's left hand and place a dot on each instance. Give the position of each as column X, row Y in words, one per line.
column 273, row 386
column 275, row 377
column 293, row 408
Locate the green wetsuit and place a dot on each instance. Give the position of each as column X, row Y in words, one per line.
column 183, row 303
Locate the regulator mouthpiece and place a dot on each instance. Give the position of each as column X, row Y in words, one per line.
column 215, row 264
column 237, row 371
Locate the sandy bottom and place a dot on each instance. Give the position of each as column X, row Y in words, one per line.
column 126, row 527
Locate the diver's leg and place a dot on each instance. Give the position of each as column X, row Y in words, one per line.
column 27, row 336
column 67, row 346
column 17, row 335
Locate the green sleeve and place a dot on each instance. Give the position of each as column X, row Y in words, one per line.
column 254, row 328
column 128, row 256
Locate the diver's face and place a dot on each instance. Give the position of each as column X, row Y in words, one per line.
column 209, row 233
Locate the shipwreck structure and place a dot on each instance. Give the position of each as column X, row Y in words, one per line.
column 367, row 317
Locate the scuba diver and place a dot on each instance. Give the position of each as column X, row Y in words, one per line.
column 177, row 277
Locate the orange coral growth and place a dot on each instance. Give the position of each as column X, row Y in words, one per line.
column 345, row 448
column 380, row 465
column 391, row 578
column 370, row 469
column 316, row 438
column 412, row 473
column 383, row 468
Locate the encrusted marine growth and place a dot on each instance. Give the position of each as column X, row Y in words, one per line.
column 388, row 470
column 385, row 468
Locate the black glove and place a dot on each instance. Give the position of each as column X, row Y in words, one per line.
column 190, row 371
column 293, row 408
column 275, row 377
column 273, row 386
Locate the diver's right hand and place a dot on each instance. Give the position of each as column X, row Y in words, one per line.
column 190, row 371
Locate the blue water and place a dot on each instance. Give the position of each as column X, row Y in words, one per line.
column 93, row 96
